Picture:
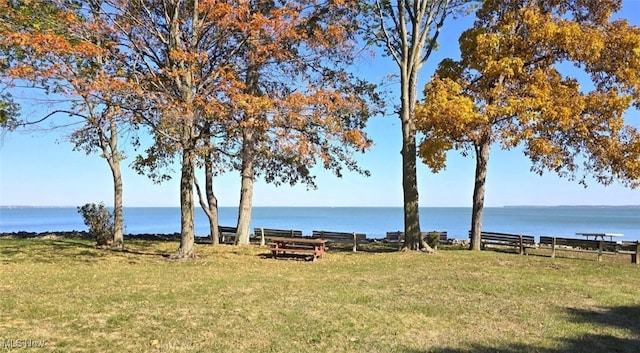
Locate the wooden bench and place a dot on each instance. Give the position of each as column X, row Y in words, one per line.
column 297, row 245
column 399, row 237
column 580, row 245
column 227, row 235
column 519, row 241
column 632, row 248
column 264, row 233
column 340, row 237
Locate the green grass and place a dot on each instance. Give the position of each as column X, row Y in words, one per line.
column 76, row 298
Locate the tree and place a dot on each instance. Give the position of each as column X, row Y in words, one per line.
column 282, row 101
column 300, row 105
column 409, row 31
column 178, row 55
column 228, row 79
column 67, row 50
column 509, row 88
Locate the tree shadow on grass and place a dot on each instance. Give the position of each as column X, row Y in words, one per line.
column 100, row 252
column 46, row 250
column 624, row 317
column 40, row 247
column 140, row 252
column 288, row 257
column 621, row 317
column 585, row 344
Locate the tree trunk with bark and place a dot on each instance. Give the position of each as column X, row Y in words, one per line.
column 114, row 164
column 410, row 189
column 187, row 210
column 246, row 190
column 413, row 238
column 212, row 200
column 186, row 119
column 210, row 208
column 118, row 217
column 108, row 142
column 416, row 26
column 210, row 205
column 482, row 158
column 248, row 141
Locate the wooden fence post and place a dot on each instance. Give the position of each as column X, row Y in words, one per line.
column 355, row 242
column 521, row 245
column 600, row 249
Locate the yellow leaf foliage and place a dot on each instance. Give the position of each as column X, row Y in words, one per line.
column 510, row 84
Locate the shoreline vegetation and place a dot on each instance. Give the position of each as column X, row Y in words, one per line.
column 72, row 296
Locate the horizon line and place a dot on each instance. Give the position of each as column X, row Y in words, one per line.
column 324, row 206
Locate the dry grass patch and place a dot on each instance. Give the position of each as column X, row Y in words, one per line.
column 235, row 299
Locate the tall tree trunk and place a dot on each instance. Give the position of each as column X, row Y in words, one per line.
column 246, row 190
column 416, row 25
column 109, row 144
column 248, row 136
column 410, row 188
column 118, row 217
column 212, row 200
column 187, row 210
column 114, row 164
column 210, row 206
column 185, row 85
column 482, row 158
column 413, row 238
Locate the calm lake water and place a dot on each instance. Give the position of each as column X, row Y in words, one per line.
column 374, row 221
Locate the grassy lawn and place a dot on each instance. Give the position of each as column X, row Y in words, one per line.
column 75, row 298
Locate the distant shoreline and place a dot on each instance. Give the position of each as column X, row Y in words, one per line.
column 506, row 206
column 73, row 234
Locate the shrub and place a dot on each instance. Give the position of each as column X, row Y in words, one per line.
column 100, row 222
column 433, row 239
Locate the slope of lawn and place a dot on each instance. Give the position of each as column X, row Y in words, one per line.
column 72, row 297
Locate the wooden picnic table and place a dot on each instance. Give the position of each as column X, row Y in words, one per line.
column 600, row 235
column 297, row 245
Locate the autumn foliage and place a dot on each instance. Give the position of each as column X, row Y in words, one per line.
column 518, row 83
column 69, row 53
column 260, row 87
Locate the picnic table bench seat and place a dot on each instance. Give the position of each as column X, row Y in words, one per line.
column 578, row 245
column 632, row 248
column 519, row 241
column 399, row 236
column 264, row 233
column 297, row 245
column 340, row 237
column 227, row 235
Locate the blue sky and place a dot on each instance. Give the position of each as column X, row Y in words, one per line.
column 40, row 169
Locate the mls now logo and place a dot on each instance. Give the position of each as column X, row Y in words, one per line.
column 20, row 343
